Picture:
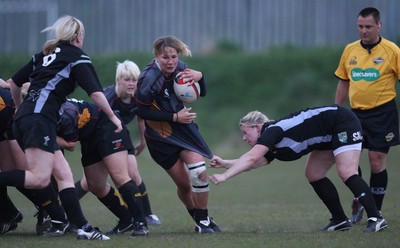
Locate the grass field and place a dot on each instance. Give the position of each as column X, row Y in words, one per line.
column 273, row 206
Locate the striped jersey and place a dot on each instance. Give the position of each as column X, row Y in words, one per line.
column 319, row 128
column 53, row 78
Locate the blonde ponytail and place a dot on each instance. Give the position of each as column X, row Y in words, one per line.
column 65, row 29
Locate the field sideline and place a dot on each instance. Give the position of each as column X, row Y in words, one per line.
column 273, row 206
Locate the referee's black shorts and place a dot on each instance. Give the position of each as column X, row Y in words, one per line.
column 380, row 126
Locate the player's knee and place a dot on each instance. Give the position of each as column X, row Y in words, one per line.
column 197, row 173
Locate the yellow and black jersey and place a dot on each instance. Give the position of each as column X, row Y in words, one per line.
column 372, row 73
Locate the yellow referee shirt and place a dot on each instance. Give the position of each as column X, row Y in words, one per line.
column 372, row 74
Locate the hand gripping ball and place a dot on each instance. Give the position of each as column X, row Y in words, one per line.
column 184, row 91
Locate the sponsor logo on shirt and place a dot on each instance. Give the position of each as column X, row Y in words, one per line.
column 378, row 60
column 353, row 61
column 369, row 75
column 33, row 95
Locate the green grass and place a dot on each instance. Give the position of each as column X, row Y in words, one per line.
column 273, row 206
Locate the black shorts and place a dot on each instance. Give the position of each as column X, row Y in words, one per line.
column 380, row 126
column 163, row 154
column 5, row 124
column 36, row 130
column 347, row 131
column 3, row 131
column 103, row 141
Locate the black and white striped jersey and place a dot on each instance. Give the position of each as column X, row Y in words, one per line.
column 53, row 78
column 319, row 128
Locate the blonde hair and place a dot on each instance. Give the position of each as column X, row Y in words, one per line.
column 127, row 69
column 170, row 41
column 66, row 28
column 254, row 118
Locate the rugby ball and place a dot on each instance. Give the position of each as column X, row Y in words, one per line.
column 184, row 91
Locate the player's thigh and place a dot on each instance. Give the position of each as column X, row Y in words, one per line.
column 117, row 166
column 39, row 162
column 18, row 155
column 347, row 163
column 133, row 169
column 180, row 175
column 96, row 177
column 62, row 171
column 318, row 164
column 6, row 161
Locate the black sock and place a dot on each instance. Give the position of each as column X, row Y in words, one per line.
column 378, row 183
column 131, row 195
column 191, row 212
column 72, row 207
column 14, row 178
column 46, row 198
column 359, row 171
column 114, row 202
column 362, row 192
column 7, row 207
column 145, row 199
column 200, row 214
column 327, row 192
column 80, row 192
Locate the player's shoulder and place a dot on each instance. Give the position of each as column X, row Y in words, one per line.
column 72, row 52
column 390, row 45
column 352, row 45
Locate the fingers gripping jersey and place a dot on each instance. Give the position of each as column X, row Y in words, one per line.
column 53, row 78
column 321, row 128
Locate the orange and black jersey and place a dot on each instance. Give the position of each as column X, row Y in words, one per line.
column 155, row 94
column 7, row 109
column 78, row 119
column 53, row 78
column 157, row 102
column 319, row 128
